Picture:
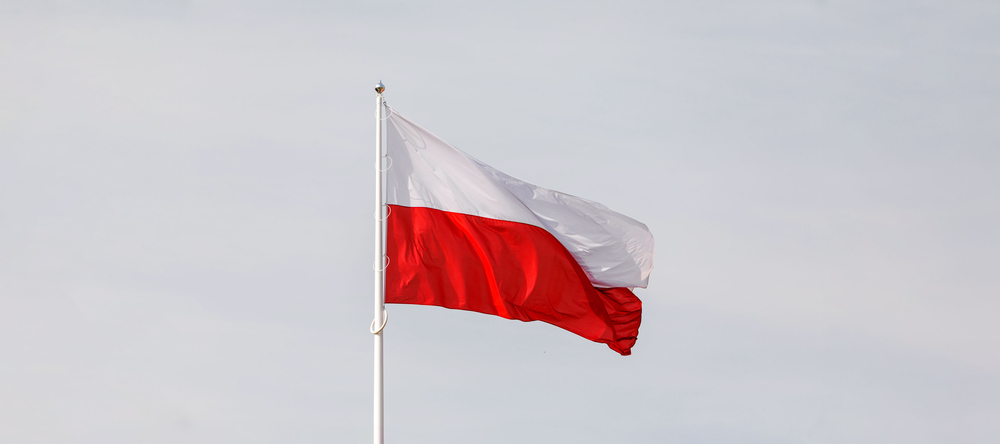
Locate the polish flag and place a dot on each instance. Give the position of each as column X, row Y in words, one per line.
column 463, row 235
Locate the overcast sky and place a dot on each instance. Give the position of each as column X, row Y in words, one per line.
column 186, row 219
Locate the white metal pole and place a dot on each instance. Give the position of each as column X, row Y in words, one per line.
column 380, row 274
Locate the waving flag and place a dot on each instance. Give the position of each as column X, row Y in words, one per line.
column 463, row 235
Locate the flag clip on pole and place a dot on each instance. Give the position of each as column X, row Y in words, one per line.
column 381, row 316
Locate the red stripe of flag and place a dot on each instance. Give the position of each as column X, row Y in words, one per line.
column 509, row 269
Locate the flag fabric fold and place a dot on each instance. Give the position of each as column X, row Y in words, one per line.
column 463, row 235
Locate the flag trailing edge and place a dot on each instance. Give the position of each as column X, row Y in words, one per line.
column 463, row 235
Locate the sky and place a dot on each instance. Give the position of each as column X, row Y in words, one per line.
column 186, row 219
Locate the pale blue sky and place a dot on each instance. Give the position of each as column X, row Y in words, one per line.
column 185, row 219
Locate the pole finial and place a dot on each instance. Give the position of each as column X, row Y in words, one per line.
column 379, row 87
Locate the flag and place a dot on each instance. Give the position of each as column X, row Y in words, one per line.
column 462, row 235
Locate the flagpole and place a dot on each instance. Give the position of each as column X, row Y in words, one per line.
column 379, row 413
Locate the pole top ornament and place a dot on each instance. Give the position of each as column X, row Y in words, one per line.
column 379, row 87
